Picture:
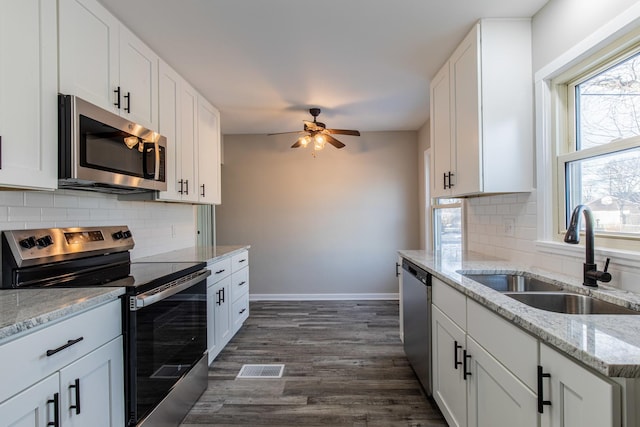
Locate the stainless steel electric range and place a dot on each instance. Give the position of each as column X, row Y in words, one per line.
column 164, row 310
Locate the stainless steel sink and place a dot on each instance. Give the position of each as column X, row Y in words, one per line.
column 567, row 303
column 513, row 283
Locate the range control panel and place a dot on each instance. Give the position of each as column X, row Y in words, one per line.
column 44, row 245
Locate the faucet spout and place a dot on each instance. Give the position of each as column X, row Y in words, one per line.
column 572, row 236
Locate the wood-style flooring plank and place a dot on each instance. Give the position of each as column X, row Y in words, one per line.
column 344, row 366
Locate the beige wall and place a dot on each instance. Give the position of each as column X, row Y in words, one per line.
column 423, row 145
column 325, row 225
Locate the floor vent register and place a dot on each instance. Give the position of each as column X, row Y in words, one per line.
column 261, row 371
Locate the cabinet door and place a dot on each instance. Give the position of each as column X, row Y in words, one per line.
column 441, row 133
column 223, row 313
column 496, row 397
column 92, row 388
column 449, row 387
column 465, row 99
column 138, row 80
column 28, row 94
column 88, row 49
column 578, row 397
column 34, row 407
column 208, row 153
column 169, row 83
column 188, row 139
column 218, row 316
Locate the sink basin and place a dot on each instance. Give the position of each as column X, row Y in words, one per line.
column 561, row 302
column 513, row 283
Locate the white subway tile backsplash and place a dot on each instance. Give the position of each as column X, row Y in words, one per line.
column 150, row 222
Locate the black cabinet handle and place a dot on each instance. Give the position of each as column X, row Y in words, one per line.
column 450, row 181
column 465, row 356
column 76, row 386
column 186, row 185
column 62, row 347
column 242, row 260
column 219, row 298
column 181, row 182
column 241, row 283
column 242, row 311
column 56, row 410
column 456, row 362
column 202, row 194
column 444, row 177
column 220, row 271
column 117, row 92
column 223, row 294
column 397, row 270
column 128, row 98
column 541, row 401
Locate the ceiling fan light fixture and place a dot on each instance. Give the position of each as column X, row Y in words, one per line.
column 319, row 141
column 304, row 141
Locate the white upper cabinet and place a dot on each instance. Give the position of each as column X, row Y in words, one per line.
column 102, row 62
column 484, row 142
column 28, row 94
column 208, row 153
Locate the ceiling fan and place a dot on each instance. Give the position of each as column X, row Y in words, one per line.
column 318, row 133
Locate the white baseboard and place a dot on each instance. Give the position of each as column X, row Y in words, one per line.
column 321, row 297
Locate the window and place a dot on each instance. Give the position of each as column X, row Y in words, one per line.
column 599, row 149
column 447, row 225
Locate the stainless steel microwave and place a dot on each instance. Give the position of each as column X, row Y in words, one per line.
column 101, row 151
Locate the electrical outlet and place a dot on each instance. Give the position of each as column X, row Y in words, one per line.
column 509, row 225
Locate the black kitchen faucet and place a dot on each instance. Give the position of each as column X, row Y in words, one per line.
column 590, row 269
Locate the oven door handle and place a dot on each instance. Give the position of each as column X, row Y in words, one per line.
column 153, row 296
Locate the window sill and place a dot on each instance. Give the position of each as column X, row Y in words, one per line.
column 619, row 257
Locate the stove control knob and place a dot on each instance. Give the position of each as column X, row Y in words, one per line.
column 45, row 241
column 126, row 234
column 117, row 235
column 28, row 243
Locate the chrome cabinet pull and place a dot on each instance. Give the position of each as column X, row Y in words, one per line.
column 541, row 402
column 76, row 386
column 62, row 347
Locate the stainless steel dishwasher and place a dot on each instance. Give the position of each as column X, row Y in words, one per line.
column 416, row 313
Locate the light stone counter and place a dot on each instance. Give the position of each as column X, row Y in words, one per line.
column 208, row 254
column 610, row 344
column 25, row 309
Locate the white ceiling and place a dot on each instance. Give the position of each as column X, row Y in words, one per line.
column 264, row 63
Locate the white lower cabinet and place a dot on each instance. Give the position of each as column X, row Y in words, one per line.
column 576, row 396
column 449, row 387
column 496, row 398
column 486, row 373
column 78, row 381
column 227, row 300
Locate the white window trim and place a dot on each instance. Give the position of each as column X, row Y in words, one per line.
column 546, row 169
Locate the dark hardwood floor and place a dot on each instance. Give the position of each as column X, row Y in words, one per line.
column 344, row 366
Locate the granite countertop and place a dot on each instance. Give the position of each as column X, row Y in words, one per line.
column 25, row 309
column 610, row 344
column 208, row 254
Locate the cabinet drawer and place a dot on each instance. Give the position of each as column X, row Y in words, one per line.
column 219, row 270
column 451, row 302
column 513, row 347
column 239, row 261
column 239, row 283
column 25, row 360
column 240, row 311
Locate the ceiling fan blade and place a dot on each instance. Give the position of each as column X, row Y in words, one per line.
column 297, row 144
column 331, row 140
column 343, row 132
column 284, row 133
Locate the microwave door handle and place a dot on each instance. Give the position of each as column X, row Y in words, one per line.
column 156, row 172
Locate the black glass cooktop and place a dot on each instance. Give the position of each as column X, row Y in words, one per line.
column 147, row 275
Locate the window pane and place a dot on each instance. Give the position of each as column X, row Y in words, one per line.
column 610, row 186
column 447, row 229
column 442, row 201
column 608, row 105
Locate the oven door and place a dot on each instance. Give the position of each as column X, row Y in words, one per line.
column 167, row 335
